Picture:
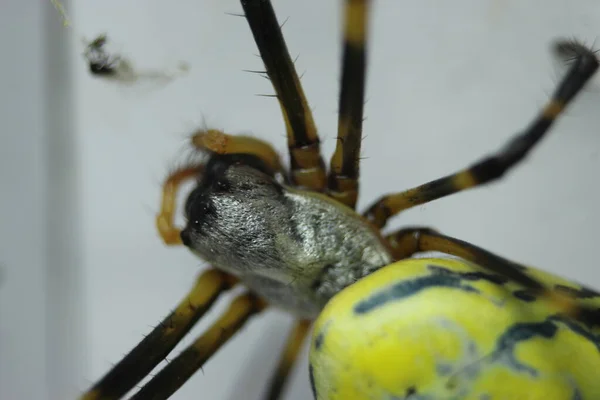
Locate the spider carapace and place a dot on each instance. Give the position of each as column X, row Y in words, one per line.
column 294, row 248
column 388, row 326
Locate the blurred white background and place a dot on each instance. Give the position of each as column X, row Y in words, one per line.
column 83, row 273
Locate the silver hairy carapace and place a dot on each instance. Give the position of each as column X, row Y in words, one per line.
column 294, row 248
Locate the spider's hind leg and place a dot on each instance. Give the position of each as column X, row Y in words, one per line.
column 409, row 241
column 495, row 166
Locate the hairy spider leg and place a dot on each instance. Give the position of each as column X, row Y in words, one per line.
column 307, row 166
column 342, row 182
column 495, row 166
column 409, row 241
column 181, row 368
column 159, row 343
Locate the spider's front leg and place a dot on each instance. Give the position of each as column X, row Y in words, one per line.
column 342, row 182
column 307, row 166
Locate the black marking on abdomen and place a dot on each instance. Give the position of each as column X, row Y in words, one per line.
column 441, row 277
column 578, row 329
column 311, row 377
column 408, row 288
column 470, row 276
column 318, row 341
column 522, row 332
column 524, row 295
column 320, row 336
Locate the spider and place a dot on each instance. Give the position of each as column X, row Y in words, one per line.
column 295, row 241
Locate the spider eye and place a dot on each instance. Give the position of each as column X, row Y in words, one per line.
column 223, row 185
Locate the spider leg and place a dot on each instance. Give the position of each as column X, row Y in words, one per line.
column 307, row 166
column 180, row 369
column 409, row 241
column 492, row 168
column 155, row 347
column 288, row 358
column 342, row 182
column 164, row 221
column 218, row 142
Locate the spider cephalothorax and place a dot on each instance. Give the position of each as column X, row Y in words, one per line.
column 293, row 247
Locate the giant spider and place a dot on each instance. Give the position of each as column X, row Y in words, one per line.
column 294, row 239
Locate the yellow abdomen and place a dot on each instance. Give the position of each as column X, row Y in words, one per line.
column 446, row 329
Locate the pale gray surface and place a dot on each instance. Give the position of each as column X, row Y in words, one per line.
column 22, row 225
column 448, row 82
column 41, row 329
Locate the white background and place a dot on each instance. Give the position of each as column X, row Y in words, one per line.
column 83, row 273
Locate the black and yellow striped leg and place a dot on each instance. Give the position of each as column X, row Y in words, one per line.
column 343, row 176
column 180, row 369
column 288, row 358
column 406, row 242
column 493, row 167
column 159, row 343
column 409, row 241
column 307, row 166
